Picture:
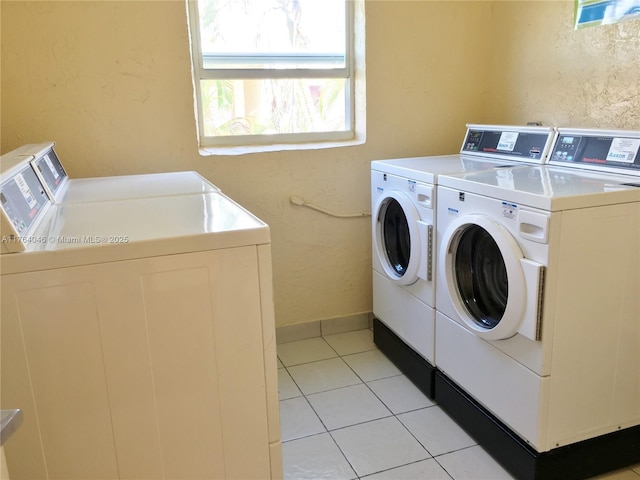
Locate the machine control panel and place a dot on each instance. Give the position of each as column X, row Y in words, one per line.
column 23, row 202
column 52, row 174
column 602, row 150
column 528, row 144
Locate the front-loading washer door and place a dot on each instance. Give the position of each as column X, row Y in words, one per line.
column 489, row 279
column 481, row 276
column 397, row 237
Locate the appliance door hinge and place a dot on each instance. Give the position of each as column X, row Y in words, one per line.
column 429, row 253
column 540, row 302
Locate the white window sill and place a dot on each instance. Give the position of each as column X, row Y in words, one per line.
column 248, row 149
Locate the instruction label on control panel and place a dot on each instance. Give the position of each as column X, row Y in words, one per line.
column 54, row 172
column 508, row 141
column 509, row 210
column 623, row 150
column 25, row 190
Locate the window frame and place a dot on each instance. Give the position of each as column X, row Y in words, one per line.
column 199, row 73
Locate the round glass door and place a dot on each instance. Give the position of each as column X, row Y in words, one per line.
column 396, row 237
column 483, row 272
column 481, row 276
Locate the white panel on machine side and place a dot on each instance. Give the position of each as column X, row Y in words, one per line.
column 171, row 372
column 596, row 333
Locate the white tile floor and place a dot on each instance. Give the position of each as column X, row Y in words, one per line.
column 348, row 413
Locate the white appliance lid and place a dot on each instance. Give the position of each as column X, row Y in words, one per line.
column 427, row 169
column 81, row 234
column 61, row 189
column 547, row 187
column 102, row 189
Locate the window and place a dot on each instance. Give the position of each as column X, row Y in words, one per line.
column 272, row 71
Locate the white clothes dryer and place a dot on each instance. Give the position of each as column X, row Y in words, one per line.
column 403, row 195
column 122, row 324
column 62, row 189
column 538, row 321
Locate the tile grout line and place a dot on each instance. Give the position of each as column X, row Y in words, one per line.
column 353, row 468
column 363, row 382
column 357, row 476
column 391, row 413
column 436, row 458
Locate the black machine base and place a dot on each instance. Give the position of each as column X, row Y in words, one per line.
column 416, row 368
column 576, row 461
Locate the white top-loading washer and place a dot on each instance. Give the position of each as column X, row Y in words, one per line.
column 81, row 233
column 137, row 336
column 62, row 189
column 538, row 307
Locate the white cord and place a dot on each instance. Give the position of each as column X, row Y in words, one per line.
column 303, row 203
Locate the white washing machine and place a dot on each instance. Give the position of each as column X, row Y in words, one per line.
column 138, row 337
column 62, row 189
column 538, row 319
column 403, row 196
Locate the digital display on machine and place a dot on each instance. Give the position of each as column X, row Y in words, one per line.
column 618, row 152
column 50, row 170
column 510, row 143
column 22, row 198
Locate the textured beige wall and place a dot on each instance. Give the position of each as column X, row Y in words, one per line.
column 110, row 82
column 563, row 77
